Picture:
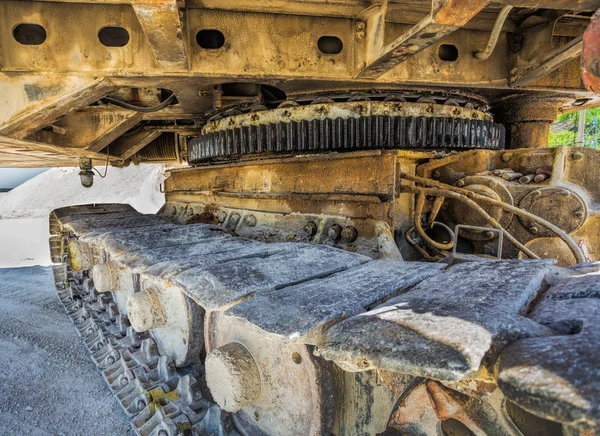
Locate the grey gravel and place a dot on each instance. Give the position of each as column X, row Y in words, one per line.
column 48, row 383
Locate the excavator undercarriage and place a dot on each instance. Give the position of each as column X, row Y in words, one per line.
column 365, row 231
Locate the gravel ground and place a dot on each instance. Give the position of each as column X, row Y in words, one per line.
column 48, row 383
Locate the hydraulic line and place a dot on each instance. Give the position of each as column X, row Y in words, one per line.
column 460, row 197
column 443, row 189
column 493, row 40
column 418, row 211
column 143, row 109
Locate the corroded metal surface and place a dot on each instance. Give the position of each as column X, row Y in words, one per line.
column 557, row 377
column 552, row 183
column 590, row 56
column 468, row 313
column 209, row 55
column 348, row 126
column 276, row 382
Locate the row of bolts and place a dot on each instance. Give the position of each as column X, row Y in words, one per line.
column 334, row 232
column 509, row 175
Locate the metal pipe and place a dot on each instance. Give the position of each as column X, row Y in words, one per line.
column 502, row 15
column 506, row 207
column 418, row 211
column 460, row 197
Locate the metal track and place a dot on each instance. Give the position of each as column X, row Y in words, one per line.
column 326, row 126
column 157, row 397
column 319, row 292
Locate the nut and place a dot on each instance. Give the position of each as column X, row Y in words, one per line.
column 360, row 26
column 349, row 234
column 234, row 219
column 221, row 216
column 310, row 229
column 250, row 220
column 334, row 232
column 533, row 229
column 578, row 214
column 436, row 174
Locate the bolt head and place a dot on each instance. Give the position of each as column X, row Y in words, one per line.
column 360, row 36
column 578, row 214
column 360, row 26
column 436, row 174
column 221, row 216
column 533, row 229
column 334, row 232
column 506, row 157
column 250, row 221
column 349, row 234
column 577, row 155
column 310, row 229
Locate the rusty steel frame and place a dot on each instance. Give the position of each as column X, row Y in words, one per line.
column 387, row 44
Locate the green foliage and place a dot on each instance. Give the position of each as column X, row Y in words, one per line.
column 564, row 131
column 566, row 137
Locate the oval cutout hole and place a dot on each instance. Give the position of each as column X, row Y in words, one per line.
column 448, row 52
column 210, row 39
column 330, row 45
column 29, row 34
column 113, row 36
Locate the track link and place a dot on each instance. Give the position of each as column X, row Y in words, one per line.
column 472, row 315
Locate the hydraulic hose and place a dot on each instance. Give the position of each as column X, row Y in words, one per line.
column 445, row 188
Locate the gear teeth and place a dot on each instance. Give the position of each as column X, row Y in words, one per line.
column 349, row 134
